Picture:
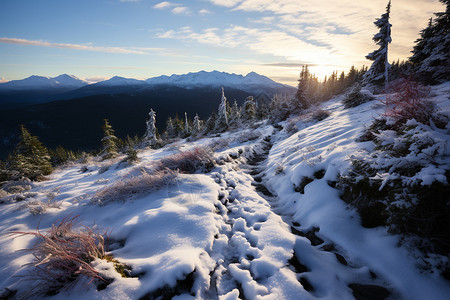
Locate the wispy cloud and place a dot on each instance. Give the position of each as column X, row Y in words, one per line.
column 3, row 80
column 345, row 27
column 164, row 5
column 204, row 12
column 181, row 10
column 84, row 47
column 226, row 3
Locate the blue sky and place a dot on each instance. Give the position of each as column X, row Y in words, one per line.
column 98, row 39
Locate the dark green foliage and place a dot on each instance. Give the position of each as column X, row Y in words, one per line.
column 378, row 72
column 403, row 201
column 431, row 54
column 109, row 141
column 355, row 97
column 30, row 159
column 131, row 155
column 210, row 123
column 60, row 156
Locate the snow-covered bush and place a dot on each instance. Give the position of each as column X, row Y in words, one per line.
column 62, row 255
column 403, row 181
column 356, row 97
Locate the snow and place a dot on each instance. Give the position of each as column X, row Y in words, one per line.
column 120, row 81
column 235, row 238
column 41, row 82
column 214, row 78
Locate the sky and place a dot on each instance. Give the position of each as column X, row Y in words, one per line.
column 96, row 40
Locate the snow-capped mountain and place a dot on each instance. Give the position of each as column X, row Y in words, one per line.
column 120, row 81
column 216, row 78
column 34, row 82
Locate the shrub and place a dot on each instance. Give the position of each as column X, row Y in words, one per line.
column 356, row 97
column 135, row 186
column 403, row 182
column 62, row 255
column 198, row 159
column 407, row 101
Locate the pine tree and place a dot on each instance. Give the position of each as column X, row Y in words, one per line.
column 187, row 130
column 109, row 141
column 170, row 131
column 30, row 158
column 378, row 72
column 222, row 118
column 431, row 54
column 303, row 95
column 210, row 123
column 249, row 110
column 197, row 126
column 235, row 116
column 150, row 136
column 262, row 111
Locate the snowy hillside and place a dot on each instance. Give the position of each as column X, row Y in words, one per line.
column 252, row 214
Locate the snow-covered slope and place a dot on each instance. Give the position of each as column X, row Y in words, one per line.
column 240, row 230
column 34, row 82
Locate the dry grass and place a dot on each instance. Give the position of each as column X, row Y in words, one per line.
column 135, row 186
column 198, row 159
column 62, row 255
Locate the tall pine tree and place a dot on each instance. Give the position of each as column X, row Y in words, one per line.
column 222, row 114
column 150, row 136
column 431, row 54
column 109, row 141
column 378, row 72
column 30, row 158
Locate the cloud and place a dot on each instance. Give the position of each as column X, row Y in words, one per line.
column 285, row 65
column 344, row 28
column 226, row 3
column 95, row 79
column 181, row 10
column 164, row 5
column 204, row 12
column 3, row 80
column 87, row 47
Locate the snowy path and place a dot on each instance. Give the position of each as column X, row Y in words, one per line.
column 262, row 255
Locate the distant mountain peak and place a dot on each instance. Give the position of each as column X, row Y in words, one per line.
column 36, row 82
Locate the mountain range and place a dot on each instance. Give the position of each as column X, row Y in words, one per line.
column 68, row 111
column 40, row 89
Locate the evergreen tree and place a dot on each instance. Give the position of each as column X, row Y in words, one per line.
column 249, row 110
column 187, row 130
column 378, row 72
column 211, row 123
column 150, row 136
column 303, row 92
column 235, row 116
column 109, row 141
column 170, row 131
column 60, row 156
column 222, row 118
column 30, row 158
column 431, row 54
column 179, row 126
column 262, row 111
column 197, row 126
